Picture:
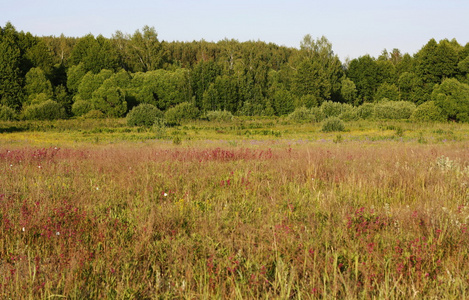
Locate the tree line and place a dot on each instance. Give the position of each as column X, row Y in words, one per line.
column 73, row 76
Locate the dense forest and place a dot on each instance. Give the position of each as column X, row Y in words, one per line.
column 62, row 77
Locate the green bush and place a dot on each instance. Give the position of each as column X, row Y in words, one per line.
column 94, row 114
column 333, row 124
column 317, row 114
column 331, row 109
column 350, row 114
column 334, row 109
column 428, row 112
column 7, row 113
column 301, row 114
column 366, row 111
column 219, row 115
column 144, row 115
column 81, row 107
column 48, row 110
column 180, row 112
column 394, row 110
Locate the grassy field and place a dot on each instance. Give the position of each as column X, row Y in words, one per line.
column 93, row 209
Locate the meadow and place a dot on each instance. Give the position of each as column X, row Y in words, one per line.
column 247, row 209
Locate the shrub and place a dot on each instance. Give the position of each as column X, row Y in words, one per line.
column 159, row 128
column 366, row 111
column 331, row 109
column 81, row 107
column 180, row 112
column 452, row 97
column 94, row 114
column 219, row 115
column 301, row 114
column 350, row 114
column 49, row 110
column 144, row 115
column 7, row 113
column 334, row 109
column 428, row 112
column 394, row 110
column 317, row 114
column 333, row 124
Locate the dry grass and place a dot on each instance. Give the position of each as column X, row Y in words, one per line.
column 315, row 220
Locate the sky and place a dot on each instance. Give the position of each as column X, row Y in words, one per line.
column 355, row 28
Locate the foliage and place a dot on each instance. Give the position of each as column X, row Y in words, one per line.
column 181, row 112
column 453, row 98
column 350, row 114
column 308, row 101
column 251, row 78
column 110, row 100
column 81, row 107
column 11, row 80
column 283, row 102
column 348, row 91
column 366, row 111
column 393, row 110
column 48, row 110
column 144, row 115
column 317, row 114
column 332, row 124
column 7, row 113
column 37, row 83
column 301, row 114
column 94, row 114
column 388, row 91
column 428, row 112
column 219, row 115
column 334, row 109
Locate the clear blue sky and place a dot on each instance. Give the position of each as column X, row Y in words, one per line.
column 355, row 28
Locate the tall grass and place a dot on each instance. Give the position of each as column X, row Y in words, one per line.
column 319, row 220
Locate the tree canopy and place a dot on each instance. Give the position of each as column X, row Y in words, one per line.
column 115, row 74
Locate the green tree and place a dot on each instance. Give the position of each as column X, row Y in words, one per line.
column 386, row 90
column 436, row 61
column 453, row 98
column 96, row 54
column 411, row 88
column 362, row 71
column 202, row 76
column 11, row 80
column 310, row 79
column 283, row 102
column 328, row 71
column 162, row 88
column 140, row 52
column 74, row 76
column 227, row 92
column 110, row 100
column 348, row 91
column 90, row 83
column 37, row 83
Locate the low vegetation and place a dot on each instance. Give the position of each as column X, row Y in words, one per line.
column 247, row 209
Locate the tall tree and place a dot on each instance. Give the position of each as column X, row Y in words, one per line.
column 362, row 71
column 145, row 50
column 36, row 83
column 11, row 80
column 96, row 54
column 435, row 62
column 453, row 98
